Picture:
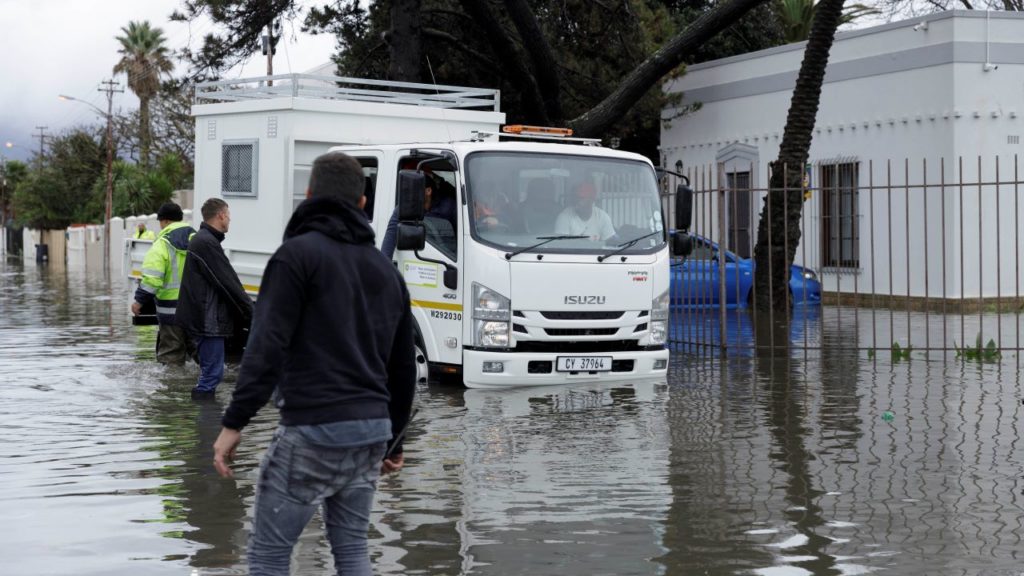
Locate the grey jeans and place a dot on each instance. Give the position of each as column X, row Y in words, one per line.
column 296, row 478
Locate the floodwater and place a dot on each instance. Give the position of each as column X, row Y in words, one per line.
column 828, row 463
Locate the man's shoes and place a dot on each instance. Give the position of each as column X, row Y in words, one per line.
column 198, row 394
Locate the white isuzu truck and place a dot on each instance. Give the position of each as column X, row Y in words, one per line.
column 541, row 259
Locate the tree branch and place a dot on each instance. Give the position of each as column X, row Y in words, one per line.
column 545, row 67
column 460, row 46
column 505, row 49
column 598, row 119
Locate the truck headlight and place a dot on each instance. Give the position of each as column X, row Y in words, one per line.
column 492, row 315
column 659, row 319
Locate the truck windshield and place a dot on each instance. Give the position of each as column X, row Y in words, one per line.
column 516, row 198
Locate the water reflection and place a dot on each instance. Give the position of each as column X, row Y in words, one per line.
column 827, row 463
column 198, row 506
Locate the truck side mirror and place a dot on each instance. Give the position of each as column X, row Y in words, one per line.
column 412, row 186
column 682, row 244
column 451, row 277
column 684, row 207
column 411, row 236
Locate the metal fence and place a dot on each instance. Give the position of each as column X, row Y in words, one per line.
column 892, row 256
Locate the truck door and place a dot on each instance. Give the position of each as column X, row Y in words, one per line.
column 438, row 309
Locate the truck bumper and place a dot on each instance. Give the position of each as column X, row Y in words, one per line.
column 646, row 366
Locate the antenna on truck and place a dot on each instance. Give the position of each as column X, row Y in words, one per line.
column 443, row 118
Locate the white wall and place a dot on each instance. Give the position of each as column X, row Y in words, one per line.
column 900, row 123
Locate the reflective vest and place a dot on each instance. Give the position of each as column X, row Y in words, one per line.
column 147, row 235
column 163, row 266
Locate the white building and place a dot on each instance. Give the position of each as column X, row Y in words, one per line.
column 903, row 103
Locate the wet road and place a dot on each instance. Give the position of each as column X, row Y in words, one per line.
column 823, row 464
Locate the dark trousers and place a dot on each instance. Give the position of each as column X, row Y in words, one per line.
column 211, row 362
column 172, row 345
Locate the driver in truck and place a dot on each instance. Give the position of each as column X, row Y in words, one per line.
column 583, row 218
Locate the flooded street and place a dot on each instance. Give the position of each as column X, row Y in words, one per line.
column 828, row 463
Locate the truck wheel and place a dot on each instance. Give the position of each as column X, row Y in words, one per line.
column 422, row 368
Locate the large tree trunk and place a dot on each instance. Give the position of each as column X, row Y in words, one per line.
column 545, row 67
column 778, row 233
column 505, row 49
column 145, row 134
column 405, row 41
column 598, row 119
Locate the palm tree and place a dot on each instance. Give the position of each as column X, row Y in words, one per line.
column 778, row 232
column 144, row 57
column 797, row 16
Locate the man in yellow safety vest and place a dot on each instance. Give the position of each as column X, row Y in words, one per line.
column 162, row 269
column 142, row 234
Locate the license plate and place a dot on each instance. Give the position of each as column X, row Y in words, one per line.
column 584, row 363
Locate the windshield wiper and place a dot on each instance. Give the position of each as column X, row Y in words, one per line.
column 546, row 239
column 626, row 246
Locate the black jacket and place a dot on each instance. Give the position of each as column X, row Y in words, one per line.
column 333, row 330
column 212, row 301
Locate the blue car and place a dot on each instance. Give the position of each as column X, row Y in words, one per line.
column 694, row 279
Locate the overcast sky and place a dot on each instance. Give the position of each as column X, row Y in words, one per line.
column 51, row 47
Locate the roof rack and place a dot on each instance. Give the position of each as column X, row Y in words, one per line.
column 350, row 89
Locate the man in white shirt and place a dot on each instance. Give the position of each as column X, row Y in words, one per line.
column 585, row 219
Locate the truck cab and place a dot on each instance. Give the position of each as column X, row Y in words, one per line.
column 547, row 263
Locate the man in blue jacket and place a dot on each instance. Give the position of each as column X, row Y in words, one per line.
column 333, row 333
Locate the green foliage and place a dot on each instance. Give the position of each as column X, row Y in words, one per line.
column 759, row 29
column 171, row 126
column 796, row 17
column 70, row 185
column 60, row 193
column 900, row 353
column 12, row 173
column 596, row 45
column 144, row 57
column 139, row 191
column 988, row 353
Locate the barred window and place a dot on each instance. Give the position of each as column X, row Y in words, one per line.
column 238, row 168
column 840, row 217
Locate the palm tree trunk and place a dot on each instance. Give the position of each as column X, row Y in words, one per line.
column 778, row 233
column 144, row 131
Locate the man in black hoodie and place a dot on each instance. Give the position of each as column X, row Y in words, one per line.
column 212, row 302
column 333, row 333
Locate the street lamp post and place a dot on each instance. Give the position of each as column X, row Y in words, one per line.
column 109, row 116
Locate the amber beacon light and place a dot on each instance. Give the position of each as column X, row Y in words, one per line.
column 536, row 130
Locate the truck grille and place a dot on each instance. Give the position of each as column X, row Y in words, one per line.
column 584, row 347
column 595, row 315
column 580, row 331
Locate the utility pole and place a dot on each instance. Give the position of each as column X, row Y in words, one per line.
column 42, row 142
column 268, row 49
column 110, row 87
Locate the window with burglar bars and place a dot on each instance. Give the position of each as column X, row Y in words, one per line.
column 840, row 226
column 238, row 168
